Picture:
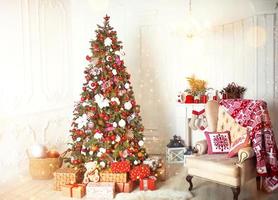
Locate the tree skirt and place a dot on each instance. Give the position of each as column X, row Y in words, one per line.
column 175, row 188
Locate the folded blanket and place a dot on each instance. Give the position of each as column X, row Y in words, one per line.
column 254, row 115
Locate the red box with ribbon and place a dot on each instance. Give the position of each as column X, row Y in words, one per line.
column 148, row 183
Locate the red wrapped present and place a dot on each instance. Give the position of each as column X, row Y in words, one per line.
column 74, row 190
column 120, row 167
column 148, row 183
column 140, row 172
column 125, row 187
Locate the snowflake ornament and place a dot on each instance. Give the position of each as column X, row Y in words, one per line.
column 81, row 121
column 101, row 101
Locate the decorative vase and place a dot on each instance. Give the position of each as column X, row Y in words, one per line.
column 189, row 99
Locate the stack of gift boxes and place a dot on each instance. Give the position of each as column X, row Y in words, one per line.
column 119, row 178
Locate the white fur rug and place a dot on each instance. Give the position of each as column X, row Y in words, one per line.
column 175, row 188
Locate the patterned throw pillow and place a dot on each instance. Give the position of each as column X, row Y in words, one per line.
column 218, row 142
column 239, row 143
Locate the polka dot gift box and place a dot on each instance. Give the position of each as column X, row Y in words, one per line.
column 140, row 172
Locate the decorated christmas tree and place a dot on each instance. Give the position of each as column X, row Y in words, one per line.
column 106, row 127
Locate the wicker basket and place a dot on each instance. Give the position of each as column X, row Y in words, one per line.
column 113, row 177
column 43, row 168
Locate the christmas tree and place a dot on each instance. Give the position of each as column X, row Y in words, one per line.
column 106, row 126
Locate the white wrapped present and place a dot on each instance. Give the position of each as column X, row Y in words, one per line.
column 100, row 191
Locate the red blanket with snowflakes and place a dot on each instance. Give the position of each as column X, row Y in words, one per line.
column 254, row 115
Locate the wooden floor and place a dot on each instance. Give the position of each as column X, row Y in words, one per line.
column 27, row 189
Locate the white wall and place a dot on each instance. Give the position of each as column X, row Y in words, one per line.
column 43, row 49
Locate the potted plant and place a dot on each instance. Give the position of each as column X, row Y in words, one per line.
column 233, row 91
column 197, row 88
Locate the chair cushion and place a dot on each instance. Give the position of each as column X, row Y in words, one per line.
column 218, row 142
column 216, row 167
column 227, row 123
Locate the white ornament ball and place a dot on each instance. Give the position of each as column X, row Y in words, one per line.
column 127, row 86
column 122, row 123
column 91, row 125
column 78, row 139
column 141, row 143
column 91, row 152
column 115, row 124
column 38, row 151
column 107, row 42
column 135, row 162
column 114, row 72
column 102, row 164
column 128, row 105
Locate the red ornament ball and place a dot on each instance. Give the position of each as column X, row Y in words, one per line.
column 88, row 58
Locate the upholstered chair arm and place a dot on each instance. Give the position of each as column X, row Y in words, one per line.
column 245, row 153
column 201, row 147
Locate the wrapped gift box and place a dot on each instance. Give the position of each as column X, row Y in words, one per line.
column 139, row 172
column 108, row 176
column 65, row 176
column 153, row 162
column 100, row 191
column 148, row 183
column 120, row 167
column 160, row 173
column 125, row 187
column 74, row 190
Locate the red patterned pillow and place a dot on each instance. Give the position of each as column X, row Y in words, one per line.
column 239, row 143
column 218, row 142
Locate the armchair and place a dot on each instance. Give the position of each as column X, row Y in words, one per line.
column 233, row 172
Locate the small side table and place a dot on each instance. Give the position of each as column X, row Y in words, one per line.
column 175, row 154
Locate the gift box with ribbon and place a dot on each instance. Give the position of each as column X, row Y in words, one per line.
column 125, row 187
column 160, row 173
column 74, row 190
column 100, row 190
column 65, row 176
column 153, row 162
column 120, row 167
column 140, row 172
column 148, row 183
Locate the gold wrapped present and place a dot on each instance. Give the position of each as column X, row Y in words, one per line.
column 74, row 190
column 65, row 176
column 107, row 176
column 160, row 173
